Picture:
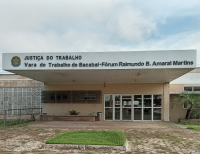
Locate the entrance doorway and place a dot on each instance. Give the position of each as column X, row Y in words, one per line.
column 122, row 107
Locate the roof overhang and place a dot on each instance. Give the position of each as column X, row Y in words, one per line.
column 102, row 67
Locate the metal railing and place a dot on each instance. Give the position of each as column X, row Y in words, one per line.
column 19, row 116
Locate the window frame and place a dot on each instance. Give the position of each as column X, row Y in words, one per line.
column 132, row 107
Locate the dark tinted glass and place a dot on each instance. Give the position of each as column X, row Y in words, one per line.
column 157, row 112
column 137, row 100
column 108, row 101
column 109, row 114
column 147, row 113
column 187, row 88
column 117, row 101
column 126, row 101
column 147, row 101
column 196, row 88
column 137, row 114
column 58, row 97
column 157, row 100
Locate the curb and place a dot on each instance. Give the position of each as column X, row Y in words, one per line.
column 126, row 147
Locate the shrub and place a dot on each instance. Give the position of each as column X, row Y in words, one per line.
column 193, row 114
column 73, row 112
column 190, row 100
column 198, row 116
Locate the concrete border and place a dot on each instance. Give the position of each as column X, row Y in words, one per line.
column 126, row 147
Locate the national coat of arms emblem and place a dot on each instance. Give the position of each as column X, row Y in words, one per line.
column 15, row 61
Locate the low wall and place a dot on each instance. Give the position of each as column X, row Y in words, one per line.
column 67, row 118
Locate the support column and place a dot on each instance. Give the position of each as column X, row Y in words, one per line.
column 166, row 102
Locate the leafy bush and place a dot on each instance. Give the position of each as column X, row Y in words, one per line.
column 194, row 114
column 198, row 116
column 190, row 100
column 73, row 112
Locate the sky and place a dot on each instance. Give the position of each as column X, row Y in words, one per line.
column 98, row 25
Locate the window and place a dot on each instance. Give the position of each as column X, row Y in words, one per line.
column 192, row 89
column 71, row 96
column 108, row 107
column 187, row 88
column 196, row 88
column 59, row 97
column 86, row 97
column 81, row 97
column 53, row 97
column 92, row 97
column 64, row 97
column 132, row 107
column 56, row 96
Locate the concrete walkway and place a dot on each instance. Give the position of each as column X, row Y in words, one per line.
column 102, row 124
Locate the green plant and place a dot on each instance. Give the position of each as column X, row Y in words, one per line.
column 168, row 134
column 73, row 112
column 193, row 114
column 136, row 142
column 198, row 116
column 176, row 139
column 194, row 127
column 189, row 123
column 189, row 100
column 110, row 137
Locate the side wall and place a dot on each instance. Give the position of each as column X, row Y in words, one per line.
column 87, row 109
column 178, row 111
column 19, row 92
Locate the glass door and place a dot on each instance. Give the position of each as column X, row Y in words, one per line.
column 121, row 107
column 108, row 107
column 117, row 107
column 137, row 107
column 126, row 107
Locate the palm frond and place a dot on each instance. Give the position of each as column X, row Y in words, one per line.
column 190, row 100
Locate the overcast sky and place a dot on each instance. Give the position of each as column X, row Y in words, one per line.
column 98, row 25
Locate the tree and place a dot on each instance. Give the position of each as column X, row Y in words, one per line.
column 190, row 100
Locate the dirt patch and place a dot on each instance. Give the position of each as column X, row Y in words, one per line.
column 146, row 138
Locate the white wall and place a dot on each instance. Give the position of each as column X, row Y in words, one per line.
column 189, row 78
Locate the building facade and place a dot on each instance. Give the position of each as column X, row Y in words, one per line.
column 124, row 86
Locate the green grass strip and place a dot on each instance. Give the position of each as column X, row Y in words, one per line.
column 194, row 127
column 14, row 122
column 189, row 123
column 110, row 137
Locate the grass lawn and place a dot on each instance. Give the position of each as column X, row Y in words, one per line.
column 194, row 127
column 90, row 138
column 1, row 123
column 190, row 124
column 14, row 122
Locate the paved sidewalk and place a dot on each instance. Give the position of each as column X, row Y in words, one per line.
column 103, row 124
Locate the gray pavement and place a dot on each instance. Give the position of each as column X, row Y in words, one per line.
column 103, row 124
